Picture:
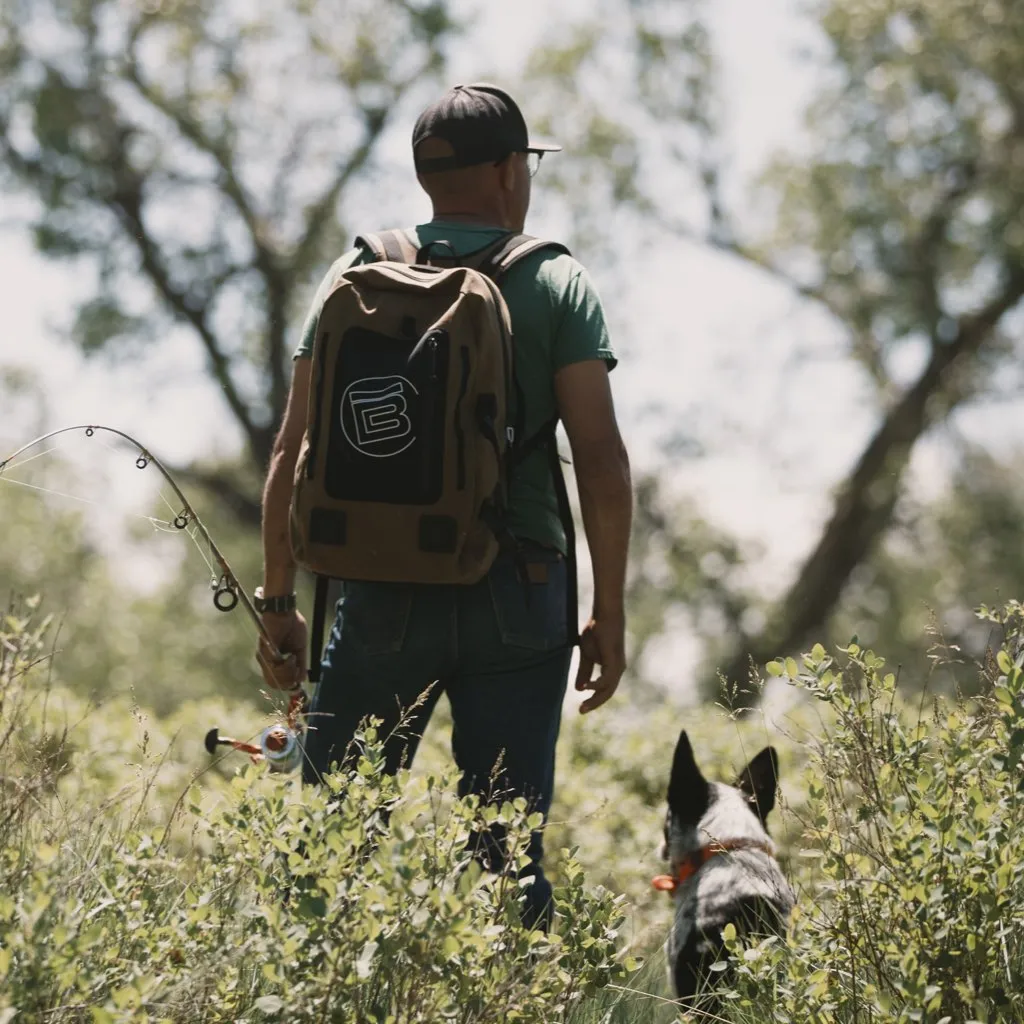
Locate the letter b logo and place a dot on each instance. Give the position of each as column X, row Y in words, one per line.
column 375, row 416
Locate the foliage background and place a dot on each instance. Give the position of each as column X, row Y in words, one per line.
column 867, row 255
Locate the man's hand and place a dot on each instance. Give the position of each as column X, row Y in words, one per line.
column 289, row 633
column 602, row 642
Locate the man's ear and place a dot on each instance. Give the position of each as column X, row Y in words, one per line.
column 507, row 173
column 759, row 780
column 688, row 792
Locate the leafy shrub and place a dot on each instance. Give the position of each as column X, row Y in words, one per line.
column 139, row 880
column 357, row 902
column 916, row 824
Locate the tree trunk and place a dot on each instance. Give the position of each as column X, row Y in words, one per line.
column 863, row 508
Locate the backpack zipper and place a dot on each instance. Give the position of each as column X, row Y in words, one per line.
column 429, row 403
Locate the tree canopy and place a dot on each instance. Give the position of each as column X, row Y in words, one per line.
column 203, row 164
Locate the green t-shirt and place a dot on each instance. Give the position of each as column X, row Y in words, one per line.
column 557, row 319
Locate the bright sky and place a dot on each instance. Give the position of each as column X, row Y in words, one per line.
column 719, row 351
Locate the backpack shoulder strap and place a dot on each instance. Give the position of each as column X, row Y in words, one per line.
column 508, row 251
column 394, row 246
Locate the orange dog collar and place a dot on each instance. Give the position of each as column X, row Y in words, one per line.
column 686, row 869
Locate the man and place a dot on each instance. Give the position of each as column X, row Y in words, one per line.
column 500, row 648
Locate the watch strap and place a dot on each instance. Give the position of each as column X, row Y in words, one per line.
column 275, row 605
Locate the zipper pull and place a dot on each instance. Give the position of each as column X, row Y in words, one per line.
column 432, row 343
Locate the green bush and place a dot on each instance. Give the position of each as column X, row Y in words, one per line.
column 357, row 902
column 140, row 879
column 915, row 822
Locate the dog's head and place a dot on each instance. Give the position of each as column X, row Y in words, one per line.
column 700, row 811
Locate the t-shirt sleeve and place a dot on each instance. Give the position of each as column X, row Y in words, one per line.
column 338, row 267
column 581, row 331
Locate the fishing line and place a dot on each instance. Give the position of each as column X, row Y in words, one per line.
column 32, row 458
column 75, row 497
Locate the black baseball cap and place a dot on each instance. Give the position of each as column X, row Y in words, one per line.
column 480, row 122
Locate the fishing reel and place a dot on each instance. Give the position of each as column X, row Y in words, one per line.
column 279, row 746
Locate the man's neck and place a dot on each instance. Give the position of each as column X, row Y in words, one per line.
column 472, row 218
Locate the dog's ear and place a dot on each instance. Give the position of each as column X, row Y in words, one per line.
column 687, row 788
column 759, row 781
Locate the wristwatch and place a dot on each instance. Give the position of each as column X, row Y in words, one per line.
column 275, row 605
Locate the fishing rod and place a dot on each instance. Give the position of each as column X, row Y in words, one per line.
column 227, row 590
column 280, row 745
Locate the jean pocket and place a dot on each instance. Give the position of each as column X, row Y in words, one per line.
column 373, row 617
column 530, row 608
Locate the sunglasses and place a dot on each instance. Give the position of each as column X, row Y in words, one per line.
column 532, row 160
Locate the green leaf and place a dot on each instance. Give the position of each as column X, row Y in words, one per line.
column 364, row 964
column 269, row 1004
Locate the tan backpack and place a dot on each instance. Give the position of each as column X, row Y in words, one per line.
column 412, row 417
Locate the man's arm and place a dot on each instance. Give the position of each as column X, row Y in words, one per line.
column 288, row 630
column 606, row 502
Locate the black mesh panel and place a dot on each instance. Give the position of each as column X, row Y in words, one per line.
column 387, row 432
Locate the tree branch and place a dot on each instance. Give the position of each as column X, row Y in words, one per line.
column 317, row 213
column 127, row 204
column 925, row 249
column 266, row 261
column 229, row 181
column 722, row 241
column 864, row 505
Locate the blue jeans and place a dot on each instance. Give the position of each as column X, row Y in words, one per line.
column 499, row 650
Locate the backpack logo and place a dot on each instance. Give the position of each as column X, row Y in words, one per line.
column 375, row 416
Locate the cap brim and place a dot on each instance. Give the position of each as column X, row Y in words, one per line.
column 543, row 146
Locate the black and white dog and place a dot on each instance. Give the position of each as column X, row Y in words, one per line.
column 722, row 862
